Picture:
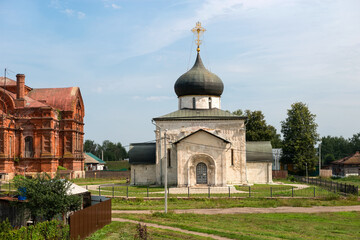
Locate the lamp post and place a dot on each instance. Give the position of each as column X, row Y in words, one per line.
column 166, row 165
column 165, row 159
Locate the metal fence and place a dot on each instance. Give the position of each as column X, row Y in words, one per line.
column 331, row 186
column 256, row 191
column 88, row 220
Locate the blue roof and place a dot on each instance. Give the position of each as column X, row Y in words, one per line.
column 95, row 157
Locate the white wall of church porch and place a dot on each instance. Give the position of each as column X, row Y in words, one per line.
column 231, row 130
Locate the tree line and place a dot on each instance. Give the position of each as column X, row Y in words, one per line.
column 111, row 151
column 300, row 137
column 334, row 148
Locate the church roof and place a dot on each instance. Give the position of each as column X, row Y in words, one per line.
column 198, row 81
column 259, row 151
column 201, row 130
column 199, row 114
column 142, row 153
column 61, row 98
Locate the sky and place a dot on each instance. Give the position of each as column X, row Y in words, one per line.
column 125, row 55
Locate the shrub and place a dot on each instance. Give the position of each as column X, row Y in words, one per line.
column 52, row 230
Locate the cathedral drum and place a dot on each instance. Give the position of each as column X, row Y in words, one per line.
column 201, row 173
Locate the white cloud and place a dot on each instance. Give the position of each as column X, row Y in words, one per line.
column 81, row 15
column 68, row 12
column 115, row 6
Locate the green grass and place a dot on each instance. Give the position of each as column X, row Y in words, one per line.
column 353, row 180
column 343, row 225
column 257, row 190
column 119, row 230
column 117, row 165
column 96, row 181
column 201, row 203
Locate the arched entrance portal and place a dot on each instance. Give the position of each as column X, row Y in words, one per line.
column 201, row 173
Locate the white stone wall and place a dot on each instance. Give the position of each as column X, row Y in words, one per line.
column 201, row 102
column 143, row 174
column 231, row 130
column 259, row 172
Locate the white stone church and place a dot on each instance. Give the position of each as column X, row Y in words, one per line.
column 204, row 144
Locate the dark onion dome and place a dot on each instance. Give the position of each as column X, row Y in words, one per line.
column 199, row 81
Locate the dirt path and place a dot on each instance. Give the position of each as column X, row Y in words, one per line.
column 316, row 209
column 171, row 228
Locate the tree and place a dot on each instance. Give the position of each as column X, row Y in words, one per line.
column 300, row 137
column 92, row 147
column 46, row 197
column 337, row 147
column 257, row 129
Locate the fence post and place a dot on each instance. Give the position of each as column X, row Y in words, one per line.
column 209, row 191
column 271, row 192
column 86, row 187
column 314, row 191
column 292, row 191
column 9, row 186
column 345, row 188
column 113, row 190
column 188, row 192
column 99, row 190
column 229, row 192
column 127, row 191
column 147, row 191
column 249, row 191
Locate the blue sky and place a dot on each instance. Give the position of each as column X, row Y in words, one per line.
column 125, row 55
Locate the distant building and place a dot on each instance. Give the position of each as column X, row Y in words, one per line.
column 347, row 166
column 40, row 129
column 276, row 153
column 204, row 144
column 93, row 163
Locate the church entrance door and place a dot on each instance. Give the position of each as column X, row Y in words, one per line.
column 201, row 173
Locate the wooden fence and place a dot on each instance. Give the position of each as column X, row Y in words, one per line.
column 279, row 174
column 88, row 220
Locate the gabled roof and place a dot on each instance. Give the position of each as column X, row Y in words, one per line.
column 199, row 114
column 60, row 98
column 352, row 159
column 202, row 130
column 91, row 158
column 9, row 83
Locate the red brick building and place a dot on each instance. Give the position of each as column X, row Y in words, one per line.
column 40, row 129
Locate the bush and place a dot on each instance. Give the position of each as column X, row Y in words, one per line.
column 291, row 178
column 52, row 230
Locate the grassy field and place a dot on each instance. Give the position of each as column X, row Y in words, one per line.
column 201, row 203
column 343, row 225
column 353, row 180
column 257, row 190
column 117, row 165
column 118, row 230
column 97, row 181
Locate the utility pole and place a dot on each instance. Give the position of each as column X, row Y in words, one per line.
column 319, row 158
column 166, row 166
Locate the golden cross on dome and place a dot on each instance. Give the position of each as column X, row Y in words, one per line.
column 198, row 30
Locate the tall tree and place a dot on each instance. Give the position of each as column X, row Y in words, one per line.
column 300, row 136
column 257, row 129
